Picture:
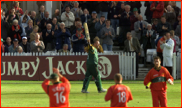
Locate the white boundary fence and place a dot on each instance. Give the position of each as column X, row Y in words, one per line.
column 126, row 61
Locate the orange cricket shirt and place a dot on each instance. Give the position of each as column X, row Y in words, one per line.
column 158, row 78
column 119, row 95
column 58, row 93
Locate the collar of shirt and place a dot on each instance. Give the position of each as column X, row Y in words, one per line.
column 49, row 31
column 127, row 12
column 131, row 39
column 149, row 31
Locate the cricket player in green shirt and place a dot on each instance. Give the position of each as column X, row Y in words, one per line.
column 92, row 69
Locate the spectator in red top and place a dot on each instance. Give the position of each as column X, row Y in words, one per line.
column 16, row 31
column 157, row 8
column 17, row 8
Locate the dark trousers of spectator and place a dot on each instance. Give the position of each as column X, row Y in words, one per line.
column 141, row 39
column 148, row 19
column 169, row 69
column 137, row 62
column 122, row 34
column 160, row 55
column 92, row 36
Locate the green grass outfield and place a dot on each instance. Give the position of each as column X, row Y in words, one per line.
column 31, row 94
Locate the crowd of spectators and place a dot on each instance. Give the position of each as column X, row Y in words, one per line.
column 24, row 31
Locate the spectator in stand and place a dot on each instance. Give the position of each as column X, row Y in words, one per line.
column 157, row 8
column 176, row 39
column 46, row 20
column 176, row 9
column 85, row 17
column 166, row 3
column 170, row 16
column 7, row 44
column 178, row 32
column 86, row 4
column 133, row 19
column 67, row 4
column 54, row 23
column 65, row 49
column 33, row 18
column 54, row 26
column 91, row 25
column 149, row 37
column 125, row 25
column 24, row 23
column 99, row 25
column 148, row 13
column 132, row 45
column 167, row 45
column 78, row 41
column 135, row 4
column 159, row 50
column 76, row 10
column 68, row 17
column 16, row 31
column 113, row 13
column 103, row 7
column 73, row 27
column 25, row 45
column 139, row 27
column 154, row 26
column 33, row 34
column 121, row 11
column 107, row 34
column 95, row 6
column 19, row 49
column 41, row 13
column 40, row 3
column 37, row 45
column 18, row 10
column 56, row 15
column 4, row 27
column 163, row 27
column 29, row 29
column 12, row 16
column 177, row 21
column 14, row 47
column 48, row 37
column 62, row 36
column 79, row 25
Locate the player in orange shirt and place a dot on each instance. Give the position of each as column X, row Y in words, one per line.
column 119, row 94
column 158, row 77
column 58, row 92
